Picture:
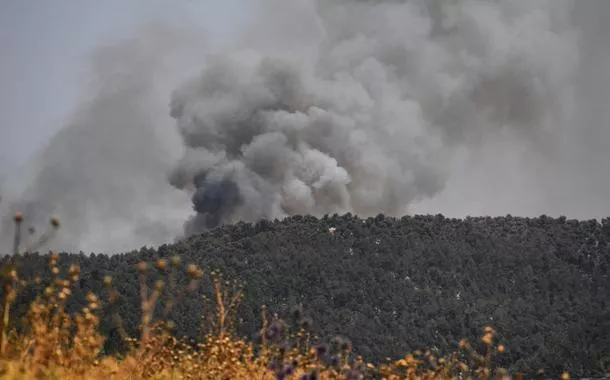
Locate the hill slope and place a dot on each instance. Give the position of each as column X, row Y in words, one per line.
column 394, row 285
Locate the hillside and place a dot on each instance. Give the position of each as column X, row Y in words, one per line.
column 395, row 285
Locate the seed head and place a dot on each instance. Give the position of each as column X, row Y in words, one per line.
column 565, row 376
column 159, row 284
column 74, row 269
column 18, row 218
column 193, row 271
column 53, row 258
column 176, row 261
column 107, row 281
column 142, row 267
column 161, row 264
column 463, row 344
column 501, row 348
column 55, row 222
column 487, row 339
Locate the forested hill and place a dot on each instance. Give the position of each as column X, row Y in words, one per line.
column 394, row 285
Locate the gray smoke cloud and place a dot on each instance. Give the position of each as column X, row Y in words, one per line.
column 480, row 107
column 105, row 173
column 369, row 106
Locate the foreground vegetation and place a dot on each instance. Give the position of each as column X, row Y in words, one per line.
column 53, row 343
column 76, row 315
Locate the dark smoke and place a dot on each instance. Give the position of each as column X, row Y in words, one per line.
column 213, row 198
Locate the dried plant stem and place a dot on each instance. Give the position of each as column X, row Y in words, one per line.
column 17, row 238
column 6, row 304
column 145, row 306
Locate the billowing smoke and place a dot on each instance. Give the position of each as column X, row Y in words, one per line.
column 361, row 106
column 266, row 140
column 332, row 106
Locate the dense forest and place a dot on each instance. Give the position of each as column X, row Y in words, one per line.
column 392, row 285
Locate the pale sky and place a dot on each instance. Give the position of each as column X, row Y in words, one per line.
column 44, row 47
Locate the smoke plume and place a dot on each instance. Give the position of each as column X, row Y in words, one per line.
column 364, row 106
column 452, row 106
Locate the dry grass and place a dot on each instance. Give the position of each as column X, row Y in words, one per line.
column 58, row 345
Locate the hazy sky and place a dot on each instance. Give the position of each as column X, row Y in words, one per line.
column 44, row 47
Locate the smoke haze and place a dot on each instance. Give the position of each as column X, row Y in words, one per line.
column 464, row 107
column 105, row 173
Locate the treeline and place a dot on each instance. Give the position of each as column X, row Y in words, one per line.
column 391, row 285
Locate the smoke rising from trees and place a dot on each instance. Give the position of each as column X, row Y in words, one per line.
column 460, row 107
